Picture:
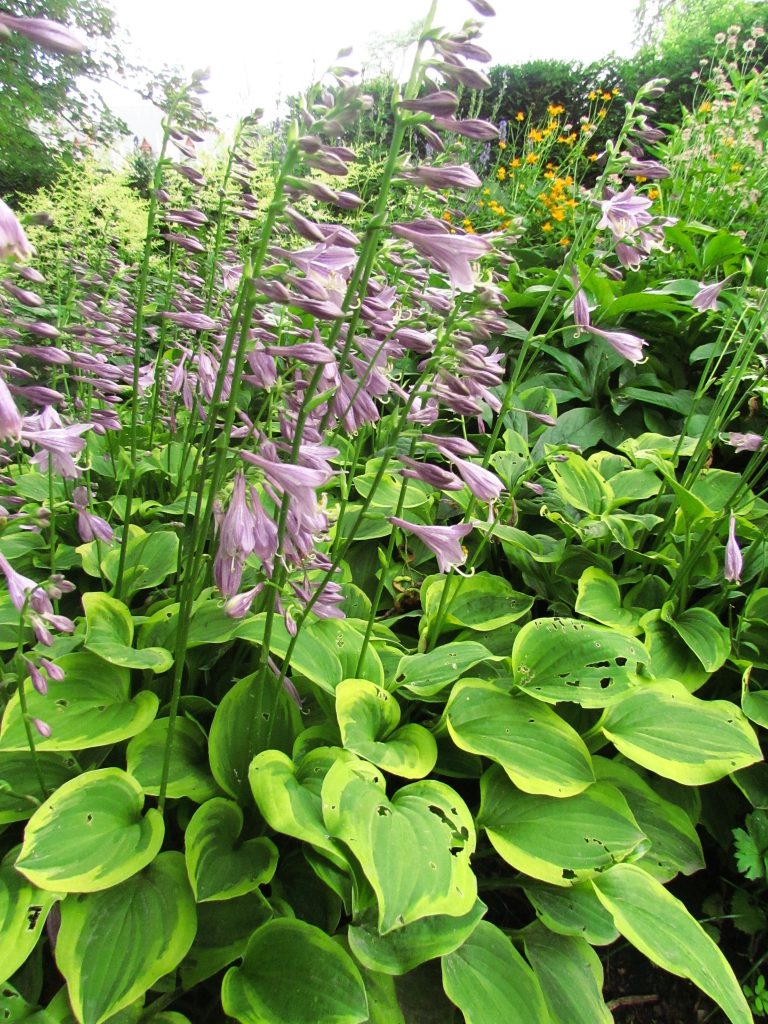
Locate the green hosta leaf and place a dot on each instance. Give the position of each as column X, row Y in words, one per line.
column 414, row 849
column 570, row 974
column 403, row 949
column 109, row 633
column 254, row 715
column 704, row 634
column 289, row 799
column 19, row 789
column 574, row 911
column 754, row 705
column 383, row 1002
column 599, row 598
column 669, row 731
column 14, row 1009
column 557, row 841
column 219, row 867
column 659, row 925
column 490, row 982
column 538, row 750
column 580, row 485
column 90, row 834
column 312, row 656
column 189, row 774
column 571, row 660
column 90, row 708
column 293, row 973
column 223, row 931
column 150, row 558
column 481, row 602
column 674, row 845
column 346, row 641
column 428, row 674
column 114, row 945
column 23, row 910
column 368, row 718
column 671, row 658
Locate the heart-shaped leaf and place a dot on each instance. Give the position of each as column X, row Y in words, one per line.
column 20, row 792
column 109, row 633
column 414, row 849
column 219, row 868
column 91, row 707
column 325, row 985
column 114, row 945
column 90, row 834
column 188, row 776
column 368, row 717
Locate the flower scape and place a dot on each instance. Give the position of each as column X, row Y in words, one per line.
column 382, row 537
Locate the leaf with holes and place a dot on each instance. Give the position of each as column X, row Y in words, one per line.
column 368, row 718
column 482, row 602
column 414, row 849
column 658, row 924
column 219, row 866
column 188, row 776
column 490, row 982
column 675, row 846
column 538, row 750
column 570, row 660
column 325, row 985
column 114, row 945
column 90, row 834
column 427, row 674
column 669, row 731
column 554, row 840
column 91, row 707
column 23, row 910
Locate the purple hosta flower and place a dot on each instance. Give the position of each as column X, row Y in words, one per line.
column 324, row 259
column 535, row 488
column 443, row 541
column 237, row 539
column 629, row 257
column 237, row 607
column 435, row 476
column 22, row 295
column 706, row 298
column 10, row 417
column 265, row 547
column 37, row 678
column 483, row 7
column 49, row 34
column 26, row 595
column 190, row 244
column 651, row 169
column 13, row 241
column 42, row 727
column 629, row 346
column 540, row 417
column 326, row 606
column 461, row 46
column 456, row 73
column 580, row 305
column 193, row 321
column 625, row 212
column 470, row 128
column 57, row 447
column 303, row 226
column 293, row 479
column 744, row 442
column 446, row 176
column 441, row 103
column 452, row 254
column 734, row 561
column 89, row 526
column 54, row 671
column 483, row 484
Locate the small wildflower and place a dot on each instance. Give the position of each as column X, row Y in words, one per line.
column 734, row 561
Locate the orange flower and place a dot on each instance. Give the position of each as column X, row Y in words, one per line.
column 546, row 226
column 519, row 116
column 531, row 158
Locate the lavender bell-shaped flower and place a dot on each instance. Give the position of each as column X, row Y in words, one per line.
column 237, row 539
column 443, row 541
column 628, row 346
column 51, row 35
column 452, row 254
column 734, row 560
column 89, row 526
column 13, row 241
column 706, row 298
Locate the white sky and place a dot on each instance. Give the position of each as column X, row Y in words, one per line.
column 260, row 50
